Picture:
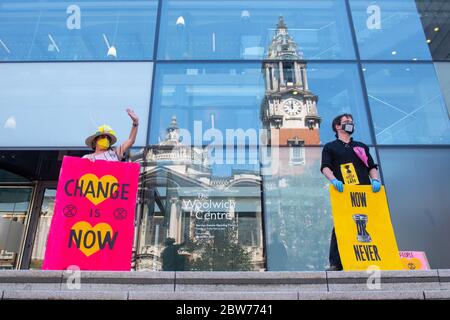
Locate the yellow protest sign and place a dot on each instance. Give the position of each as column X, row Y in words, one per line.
column 363, row 228
column 349, row 173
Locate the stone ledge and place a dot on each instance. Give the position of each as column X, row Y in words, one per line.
column 444, row 273
column 31, row 286
column 398, row 287
column 249, row 288
column 363, row 295
column 250, row 278
column 405, row 277
column 224, row 283
column 30, row 276
column 220, row 296
column 444, row 278
column 63, row 295
column 195, row 295
column 437, row 294
column 389, row 281
column 129, row 278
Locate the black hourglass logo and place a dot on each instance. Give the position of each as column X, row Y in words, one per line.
column 361, row 224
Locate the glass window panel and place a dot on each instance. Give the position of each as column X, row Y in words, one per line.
column 45, row 219
column 81, row 96
column 297, row 211
column 14, row 206
column 389, row 29
column 443, row 73
column 198, row 97
column 206, row 96
column 245, row 29
column 407, row 104
column 81, row 30
column 338, row 89
column 434, row 15
column 197, row 217
column 417, row 190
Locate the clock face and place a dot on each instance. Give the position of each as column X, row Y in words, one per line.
column 292, row 107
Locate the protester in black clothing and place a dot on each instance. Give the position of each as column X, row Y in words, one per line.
column 346, row 161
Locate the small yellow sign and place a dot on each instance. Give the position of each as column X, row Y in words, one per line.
column 411, row 264
column 363, row 228
column 349, row 173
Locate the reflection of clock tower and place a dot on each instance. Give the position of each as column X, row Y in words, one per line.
column 289, row 109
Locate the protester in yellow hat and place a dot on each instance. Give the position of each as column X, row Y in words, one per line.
column 102, row 140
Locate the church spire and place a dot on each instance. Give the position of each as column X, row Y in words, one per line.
column 283, row 46
column 281, row 24
column 173, row 133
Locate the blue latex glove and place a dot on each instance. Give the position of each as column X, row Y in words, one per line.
column 376, row 185
column 338, row 185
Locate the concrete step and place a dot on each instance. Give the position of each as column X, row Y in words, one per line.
column 63, row 285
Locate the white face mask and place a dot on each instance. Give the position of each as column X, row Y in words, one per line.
column 348, row 127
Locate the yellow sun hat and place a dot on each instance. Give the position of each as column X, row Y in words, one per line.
column 102, row 130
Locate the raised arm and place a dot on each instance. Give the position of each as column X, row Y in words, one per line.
column 127, row 144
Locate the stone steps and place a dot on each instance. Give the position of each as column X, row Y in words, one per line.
column 60, row 285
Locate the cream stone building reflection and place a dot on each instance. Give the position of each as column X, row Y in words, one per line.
column 182, row 200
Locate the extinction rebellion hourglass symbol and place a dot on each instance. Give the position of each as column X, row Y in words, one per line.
column 361, row 224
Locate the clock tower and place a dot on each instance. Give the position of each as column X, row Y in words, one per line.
column 289, row 109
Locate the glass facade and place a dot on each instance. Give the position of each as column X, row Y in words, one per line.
column 84, row 30
column 206, row 96
column 241, row 30
column 69, row 99
column 423, row 212
column 235, row 100
column 407, row 104
column 377, row 24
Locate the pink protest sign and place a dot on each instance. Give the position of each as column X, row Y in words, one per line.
column 93, row 222
column 414, row 260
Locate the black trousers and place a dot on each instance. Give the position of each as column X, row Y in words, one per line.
column 335, row 259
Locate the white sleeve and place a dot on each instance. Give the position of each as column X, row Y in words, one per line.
column 117, row 152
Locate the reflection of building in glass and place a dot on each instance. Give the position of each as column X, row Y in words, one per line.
column 45, row 219
column 397, row 89
column 182, row 200
column 14, row 203
column 41, row 239
column 289, row 109
column 293, row 206
column 297, row 209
